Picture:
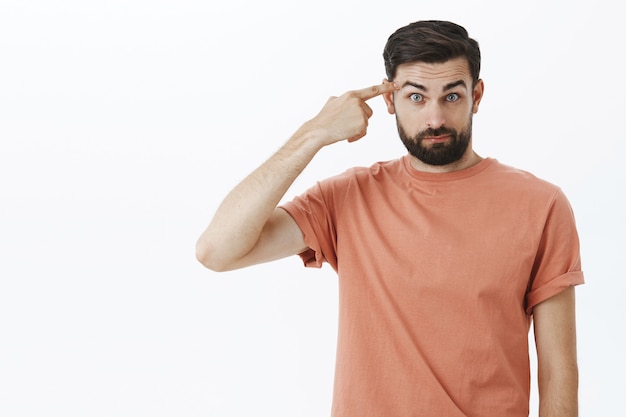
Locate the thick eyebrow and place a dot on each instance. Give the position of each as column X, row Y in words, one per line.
column 454, row 84
column 447, row 87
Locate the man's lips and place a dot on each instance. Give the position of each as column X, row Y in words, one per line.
column 437, row 139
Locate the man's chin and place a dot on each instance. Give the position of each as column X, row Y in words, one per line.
column 438, row 155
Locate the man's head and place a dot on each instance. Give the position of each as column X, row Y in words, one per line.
column 431, row 42
column 437, row 66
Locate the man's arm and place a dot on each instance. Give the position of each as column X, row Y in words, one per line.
column 555, row 338
column 248, row 228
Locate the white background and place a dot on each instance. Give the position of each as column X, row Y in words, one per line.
column 124, row 123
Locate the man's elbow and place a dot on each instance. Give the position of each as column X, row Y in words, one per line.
column 205, row 254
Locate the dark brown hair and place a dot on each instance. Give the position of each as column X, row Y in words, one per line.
column 431, row 41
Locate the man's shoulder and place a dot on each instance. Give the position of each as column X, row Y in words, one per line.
column 388, row 168
column 520, row 180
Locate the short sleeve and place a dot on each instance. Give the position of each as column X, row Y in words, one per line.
column 557, row 264
column 315, row 217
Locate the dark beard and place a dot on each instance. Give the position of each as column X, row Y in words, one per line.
column 437, row 153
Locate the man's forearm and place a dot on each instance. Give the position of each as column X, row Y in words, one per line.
column 239, row 220
column 558, row 391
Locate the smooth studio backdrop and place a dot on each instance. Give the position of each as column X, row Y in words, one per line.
column 123, row 124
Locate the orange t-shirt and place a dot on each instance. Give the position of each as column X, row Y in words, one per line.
column 438, row 276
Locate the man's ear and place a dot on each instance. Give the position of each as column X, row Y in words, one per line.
column 388, row 97
column 477, row 95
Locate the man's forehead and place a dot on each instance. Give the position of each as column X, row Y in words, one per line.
column 434, row 74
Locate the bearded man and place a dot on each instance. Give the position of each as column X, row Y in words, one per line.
column 444, row 257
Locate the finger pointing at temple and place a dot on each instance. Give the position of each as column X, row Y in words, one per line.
column 375, row 90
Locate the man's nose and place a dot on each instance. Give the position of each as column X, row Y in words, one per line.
column 435, row 117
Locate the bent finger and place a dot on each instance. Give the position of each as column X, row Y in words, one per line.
column 368, row 110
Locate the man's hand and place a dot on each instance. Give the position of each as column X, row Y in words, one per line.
column 346, row 117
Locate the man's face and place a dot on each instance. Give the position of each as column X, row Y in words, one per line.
column 434, row 108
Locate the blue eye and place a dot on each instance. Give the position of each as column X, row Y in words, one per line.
column 452, row 97
column 416, row 97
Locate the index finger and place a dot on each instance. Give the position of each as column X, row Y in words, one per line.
column 375, row 90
